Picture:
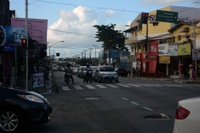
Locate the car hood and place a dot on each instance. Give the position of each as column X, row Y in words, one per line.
column 15, row 90
column 108, row 72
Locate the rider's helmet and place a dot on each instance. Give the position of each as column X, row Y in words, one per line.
column 87, row 64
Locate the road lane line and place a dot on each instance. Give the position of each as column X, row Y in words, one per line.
column 148, row 108
column 135, row 103
column 125, row 98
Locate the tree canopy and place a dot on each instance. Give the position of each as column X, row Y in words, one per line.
column 111, row 38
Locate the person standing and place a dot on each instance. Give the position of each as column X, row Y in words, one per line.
column 133, row 72
column 191, row 71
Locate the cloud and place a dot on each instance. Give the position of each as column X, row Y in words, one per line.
column 75, row 28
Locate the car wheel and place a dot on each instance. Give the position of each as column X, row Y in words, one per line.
column 116, row 81
column 11, row 120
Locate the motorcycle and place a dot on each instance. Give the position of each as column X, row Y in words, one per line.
column 67, row 77
column 88, row 76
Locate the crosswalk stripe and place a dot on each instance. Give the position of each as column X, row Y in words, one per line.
column 147, row 85
column 134, row 85
column 95, row 86
column 78, row 87
column 90, row 87
column 101, row 86
column 66, row 88
column 123, row 85
column 113, row 86
column 168, row 85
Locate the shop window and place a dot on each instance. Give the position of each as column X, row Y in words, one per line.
column 179, row 37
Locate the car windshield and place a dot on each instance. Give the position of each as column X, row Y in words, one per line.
column 107, row 69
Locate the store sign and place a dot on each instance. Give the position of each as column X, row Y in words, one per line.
column 13, row 35
column 172, row 50
column 163, row 49
column 196, row 54
column 166, row 16
column 164, row 59
column 184, row 49
column 37, row 28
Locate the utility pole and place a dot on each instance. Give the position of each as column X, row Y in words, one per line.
column 26, row 25
column 194, row 44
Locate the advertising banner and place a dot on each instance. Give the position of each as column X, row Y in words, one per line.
column 153, row 48
column 164, row 59
column 172, row 50
column 184, row 49
column 37, row 28
column 152, row 66
column 153, row 53
column 163, row 49
column 12, row 35
column 38, row 80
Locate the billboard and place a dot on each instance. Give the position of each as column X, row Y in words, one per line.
column 37, row 28
column 12, row 35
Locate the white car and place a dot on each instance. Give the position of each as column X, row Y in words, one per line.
column 105, row 73
column 188, row 116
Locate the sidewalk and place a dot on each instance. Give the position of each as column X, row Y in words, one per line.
column 42, row 90
column 173, row 80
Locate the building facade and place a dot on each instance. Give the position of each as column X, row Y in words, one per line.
column 146, row 41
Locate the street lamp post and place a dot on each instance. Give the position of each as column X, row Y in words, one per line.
column 51, row 46
column 26, row 27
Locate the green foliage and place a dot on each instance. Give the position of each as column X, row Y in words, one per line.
column 111, row 38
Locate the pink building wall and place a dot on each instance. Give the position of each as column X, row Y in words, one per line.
column 37, row 28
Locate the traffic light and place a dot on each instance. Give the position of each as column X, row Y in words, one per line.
column 24, row 43
column 57, row 54
column 144, row 17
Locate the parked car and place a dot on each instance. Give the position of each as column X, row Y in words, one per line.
column 19, row 108
column 105, row 73
column 187, row 116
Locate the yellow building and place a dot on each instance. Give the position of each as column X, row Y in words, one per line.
column 145, row 40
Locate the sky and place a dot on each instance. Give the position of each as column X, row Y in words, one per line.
column 70, row 29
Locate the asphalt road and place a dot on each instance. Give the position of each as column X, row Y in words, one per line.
column 130, row 106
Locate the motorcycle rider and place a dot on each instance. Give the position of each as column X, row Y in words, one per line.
column 70, row 71
column 87, row 69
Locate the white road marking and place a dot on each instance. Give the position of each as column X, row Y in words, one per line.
column 78, row 87
column 123, row 85
column 90, row 87
column 148, row 108
column 113, row 86
column 101, row 86
column 66, row 88
column 134, row 85
column 125, row 98
column 135, row 103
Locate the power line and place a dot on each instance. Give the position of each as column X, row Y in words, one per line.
column 75, row 33
column 97, row 8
